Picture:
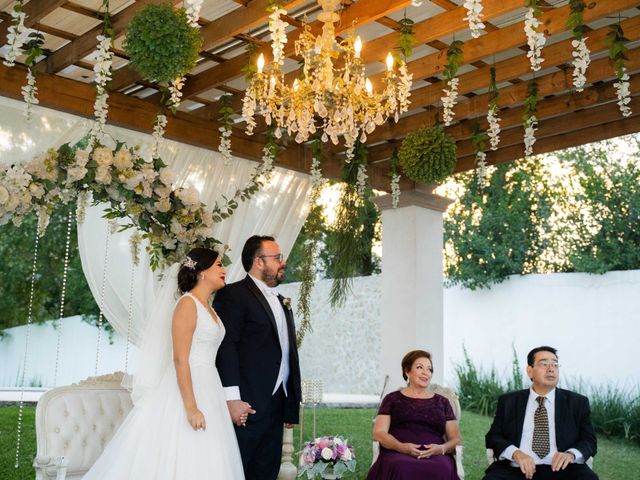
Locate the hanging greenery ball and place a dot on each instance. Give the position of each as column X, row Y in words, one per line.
column 161, row 44
column 428, row 155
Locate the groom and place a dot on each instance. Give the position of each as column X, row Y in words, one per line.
column 258, row 358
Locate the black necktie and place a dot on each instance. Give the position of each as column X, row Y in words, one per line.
column 540, row 444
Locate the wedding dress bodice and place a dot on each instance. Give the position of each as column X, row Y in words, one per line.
column 207, row 336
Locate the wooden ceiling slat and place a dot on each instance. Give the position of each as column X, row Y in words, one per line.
column 35, row 11
column 510, row 37
column 363, row 12
column 86, row 43
column 595, row 133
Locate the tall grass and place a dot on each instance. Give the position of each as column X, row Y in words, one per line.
column 615, row 412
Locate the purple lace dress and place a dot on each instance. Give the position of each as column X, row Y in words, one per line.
column 415, row 420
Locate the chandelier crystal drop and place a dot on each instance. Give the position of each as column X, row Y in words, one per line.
column 331, row 96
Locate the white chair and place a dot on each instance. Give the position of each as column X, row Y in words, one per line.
column 455, row 405
column 74, row 423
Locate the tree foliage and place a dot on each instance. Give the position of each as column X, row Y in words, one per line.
column 16, row 255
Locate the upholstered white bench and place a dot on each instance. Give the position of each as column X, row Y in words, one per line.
column 74, row 423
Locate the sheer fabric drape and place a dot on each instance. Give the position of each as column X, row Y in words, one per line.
column 279, row 209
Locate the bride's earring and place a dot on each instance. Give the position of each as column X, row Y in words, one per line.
column 201, row 276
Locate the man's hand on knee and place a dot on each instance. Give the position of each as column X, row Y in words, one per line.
column 561, row 460
column 526, row 463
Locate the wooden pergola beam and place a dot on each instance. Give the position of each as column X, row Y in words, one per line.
column 35, row 11
column 362, row 12
column 509, row 37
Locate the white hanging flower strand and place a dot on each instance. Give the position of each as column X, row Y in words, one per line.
column 102, row 69
column 581, row 61
column 29, row 93
column 192, row 9
column 449, row 100
column 395, row 190
column 362, row 179
column 493, row 132
column 316, row 174
column 623, row 93
column 474, row 16
column 175, row 90
column 277, row 27
column 482, row 173
column 530, row 127
column 225, row 144
column 16, row 36
column 158, row 133
column 535, row 37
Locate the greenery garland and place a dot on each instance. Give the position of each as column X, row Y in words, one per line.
column 313, row 228
column 161, row 44
column 617, row 48
column 531, row 102
column 428, row 155
column 494, row 94
column 454, row 57
column 576, row 18
column 478, row 138
column 407, row 38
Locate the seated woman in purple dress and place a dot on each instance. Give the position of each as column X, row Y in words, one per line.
column 411, row 425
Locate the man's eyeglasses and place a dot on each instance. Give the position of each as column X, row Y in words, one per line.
column 548, row 363
column 278, row 256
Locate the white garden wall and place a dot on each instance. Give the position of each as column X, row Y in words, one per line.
column 594, row 321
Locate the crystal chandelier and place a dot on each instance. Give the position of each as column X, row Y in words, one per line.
column 331, row 96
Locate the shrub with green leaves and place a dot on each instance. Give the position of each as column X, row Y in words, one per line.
column 161, row 44
column 428, row 155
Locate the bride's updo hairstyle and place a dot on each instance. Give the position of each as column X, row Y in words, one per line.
column 197, row 260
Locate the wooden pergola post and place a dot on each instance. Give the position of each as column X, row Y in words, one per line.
column 412, row 280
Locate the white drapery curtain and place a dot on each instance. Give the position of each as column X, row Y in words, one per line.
column 279, row 209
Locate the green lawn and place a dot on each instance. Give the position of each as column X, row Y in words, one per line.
column 617, row 460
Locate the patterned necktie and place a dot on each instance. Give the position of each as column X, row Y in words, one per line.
column 540, row 444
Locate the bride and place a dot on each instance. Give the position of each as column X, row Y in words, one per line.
column 180, row 427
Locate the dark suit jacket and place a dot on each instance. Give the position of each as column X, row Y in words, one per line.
column 250, row 353
column 572, row 418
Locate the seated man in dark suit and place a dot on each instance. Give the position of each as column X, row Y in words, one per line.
column 543, row 432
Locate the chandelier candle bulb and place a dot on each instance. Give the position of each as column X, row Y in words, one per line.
column 357, row 47
column 389, row 61
column 368, row 86
column 261, row 63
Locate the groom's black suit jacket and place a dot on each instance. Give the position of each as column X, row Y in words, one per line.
column 572, row 422
column 250, row 354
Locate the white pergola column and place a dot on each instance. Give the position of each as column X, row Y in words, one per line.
column 412, row 280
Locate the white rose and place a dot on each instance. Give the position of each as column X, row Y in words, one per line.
column 326, row 453
column 75, row 173
column 189, row 196
column 163, row 192
column 103, row 156
column 163, row 205
column 36, row 190
column 81, row 158
column 103, row 175
column 122, row 159
column 166, row 176
column 176, row 227
column 4, row 195
column 346, row 456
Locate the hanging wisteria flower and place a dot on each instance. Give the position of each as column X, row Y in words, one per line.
column 482, row 173
column 581, row 60
column 278, row 27
column 404, row 89
column 449, row 100
column 16, row 36
column 248, row 111
column 494, row 127
column 158, row 133
column 362, row 179
column 225, row 144
column 192, row 9
column 29, row 93
column 624, row 94
column 175, row 90
column 395, row 190
column 535, row 37
column 474, row 16
column 530, row 127
column 102, row 69
column 316, row 173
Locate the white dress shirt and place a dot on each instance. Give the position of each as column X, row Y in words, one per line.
column 271, row 295
column 527, row 432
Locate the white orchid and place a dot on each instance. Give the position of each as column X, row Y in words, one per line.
column 102, row 69
column 158, row 133
column 16, row 37
column 449, row 100
column 474, row 16
column 581, row 61
column 192, row 9
column 29, row 93
column 277, row 28
column 362, row 179
column 623, row 93
column 535, row 38
column 493, row 131
column 530, row 127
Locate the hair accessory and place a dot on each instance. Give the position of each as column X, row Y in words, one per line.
column 189, row 263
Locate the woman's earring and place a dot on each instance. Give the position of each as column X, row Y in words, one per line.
column 202, row 276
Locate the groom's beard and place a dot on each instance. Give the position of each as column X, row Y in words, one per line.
column 273, row 278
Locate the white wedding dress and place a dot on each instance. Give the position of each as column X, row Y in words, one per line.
column 156, row 442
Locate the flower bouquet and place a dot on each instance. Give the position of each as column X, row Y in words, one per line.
column 329, row 457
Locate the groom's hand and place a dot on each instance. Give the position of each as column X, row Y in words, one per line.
column 239, row 411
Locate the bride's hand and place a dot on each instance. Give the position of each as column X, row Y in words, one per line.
column 196, row 419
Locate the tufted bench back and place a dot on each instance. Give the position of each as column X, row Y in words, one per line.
column 77, row 422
